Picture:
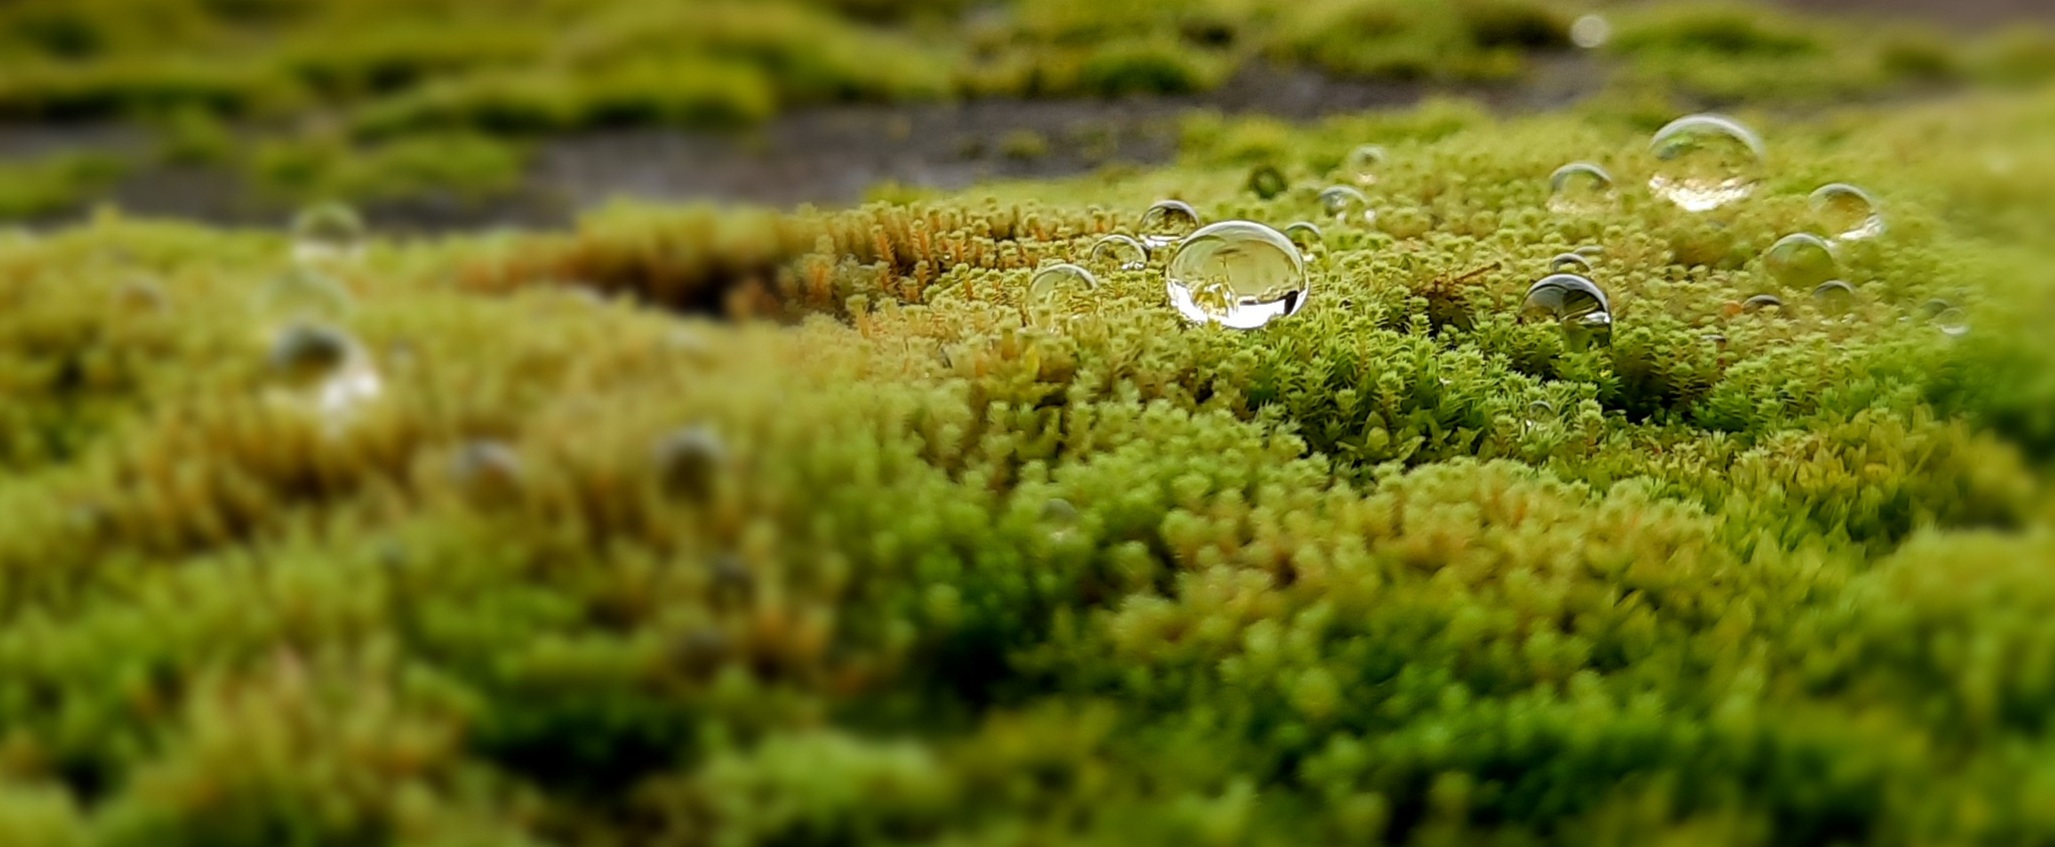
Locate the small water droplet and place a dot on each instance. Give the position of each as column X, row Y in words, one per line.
column 305, row 295
column 141, row 296
column 1239, row 274
column 487, row 470
column 1120, row 252
column 1363, row 163
column 1762, row 301
column 1718, row 341
column 1847, row 211
column 1579, row 188
column 1267, row 181
column 1344, row 204
column 1570, row 263
column 1947, row 317
column 1539, row 413
column 1059, row 513
column 327, row 233
column 1834, row 297
column 322, row 369
column 1574, row 303
column 1305, row 234
column 1054, row 288
column 1166, row 222
column 1800, row 260
column 1591, row 32
column 688, row 460
column 1705, row 162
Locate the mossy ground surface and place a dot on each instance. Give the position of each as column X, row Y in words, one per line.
column 802, row 531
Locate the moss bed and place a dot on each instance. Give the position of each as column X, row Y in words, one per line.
column 740, row 527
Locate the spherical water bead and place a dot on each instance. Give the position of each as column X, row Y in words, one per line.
column 1239, row 274
column 1344, row 204
column 1705, row 162
column 140, row 296
column 1848, row 212
column 1166, row 222
column 1570, row 263
column 1834, row 297
column 1363, row 163
column 1762, row 301
column 322, row 369
column 1591, row 32
column 1579, row 187
column 487, row 470
column 1120, row 252
column 688, row 460
column 1267, row 181
column 1573, row 302
column 1947, row 317
column 329, row 232
column 1053, row 287
column 1718, row 341
column 303, row 294
column 1305, row 235
column 1800, row 260
column 1539, row 413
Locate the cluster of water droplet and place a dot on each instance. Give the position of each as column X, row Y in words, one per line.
column 316, row 366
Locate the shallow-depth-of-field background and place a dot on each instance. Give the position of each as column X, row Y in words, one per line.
column 679, row 458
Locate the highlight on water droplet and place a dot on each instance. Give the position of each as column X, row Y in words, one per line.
column 1305, row 235
column 1574, row 303
column 1579, row 188
column 1363, row 164
column 1762, row 301
column 1054, row 289
column 326, row 233
column 1848, row 212
column 323, row 370
column 1538, row 414
column 1591, row 31
column 1570, row 263
column 1267, row 181
column 302, row 294
column 1705, row 161
column 1238, row 274
column 1345, row 204
column 1834, row 297
column 1947, row 317
column 1166, row 222
column 1718, row 341
column 1801, row 260
column 1119, row 252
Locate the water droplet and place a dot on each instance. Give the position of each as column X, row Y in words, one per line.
column 1305, row 235
column 1848, row 212
column 1238, row 274
column 1718, row 341
column 305, row 295
column 323, row 369
column 1363, row 163
column 487, row 470
column 1055, row 287
column 1834, row 297
column 1060, row 513
column 1570, row 263
column 1579, row 188
column 1166, row 222
column 1267, row 181
column 688, row 460
column 1345, row 204
column 1705, row 162
column 1947, row 317
column 140, row 296
column 1591, row 32
column 1762, row 301
column 1800, row 260
column 1120, row 252
column 1539, row 413
column 1573, row 302
column 328, row 232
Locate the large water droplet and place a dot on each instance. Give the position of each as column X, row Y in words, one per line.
column 1345, row 204
column 1591, row 32
column 1848, row 212
column 1570, row 263
column 1166, row 222
column 1305, row 235
column 1800, row 260
column 1119, row 252
column 1834, row 297
column 328, row 232
column 1573, row 302
column 1579, row 188
column 1363, row 164
column 305, row 295
column 1267, row 181
column 1238, row 274
column 1538, row 414
column 1762, row 301
column 324, row 370
column 1055, row 288
column 1705, row 162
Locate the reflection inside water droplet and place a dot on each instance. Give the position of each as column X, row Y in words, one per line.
column 1848, row 212
column 1305, row 235
column 322, row 370
column 1947, row 317
column 1119, row 252
column 1834, row 297
column 329, row 232
column 1579, row 188
column 1539, row 413
column 1705, row 162
column 1166, row 222
column 1057, row 289
column 1800, row 260
column 1344, row 204
column 1570, row 263
column 1575, row 304
column 1238, row 274
column 1363, row 164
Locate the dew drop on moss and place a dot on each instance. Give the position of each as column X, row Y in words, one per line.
column 1947, row 317
column 322, row 369
column 1119, row 252
column 1762, row 301
column 1166, row 222
column 1718, row 341
column 1574, row 303
column 1800, row 260
column 1239, row 274
column 1344, row 204
column 1266, row 181
column 328, row 232
column 687, row 461
column 1054, row 288
column 303, row 294
column 1705, row 161
column 1848, row 212
column 487, row 470
column 1834, row 297
column 1579, row 188
column 1539, row 413
column 1305, row 235
column 1363, row 163
column 1570, row 263
column 1591, row 32
column 140, row 296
